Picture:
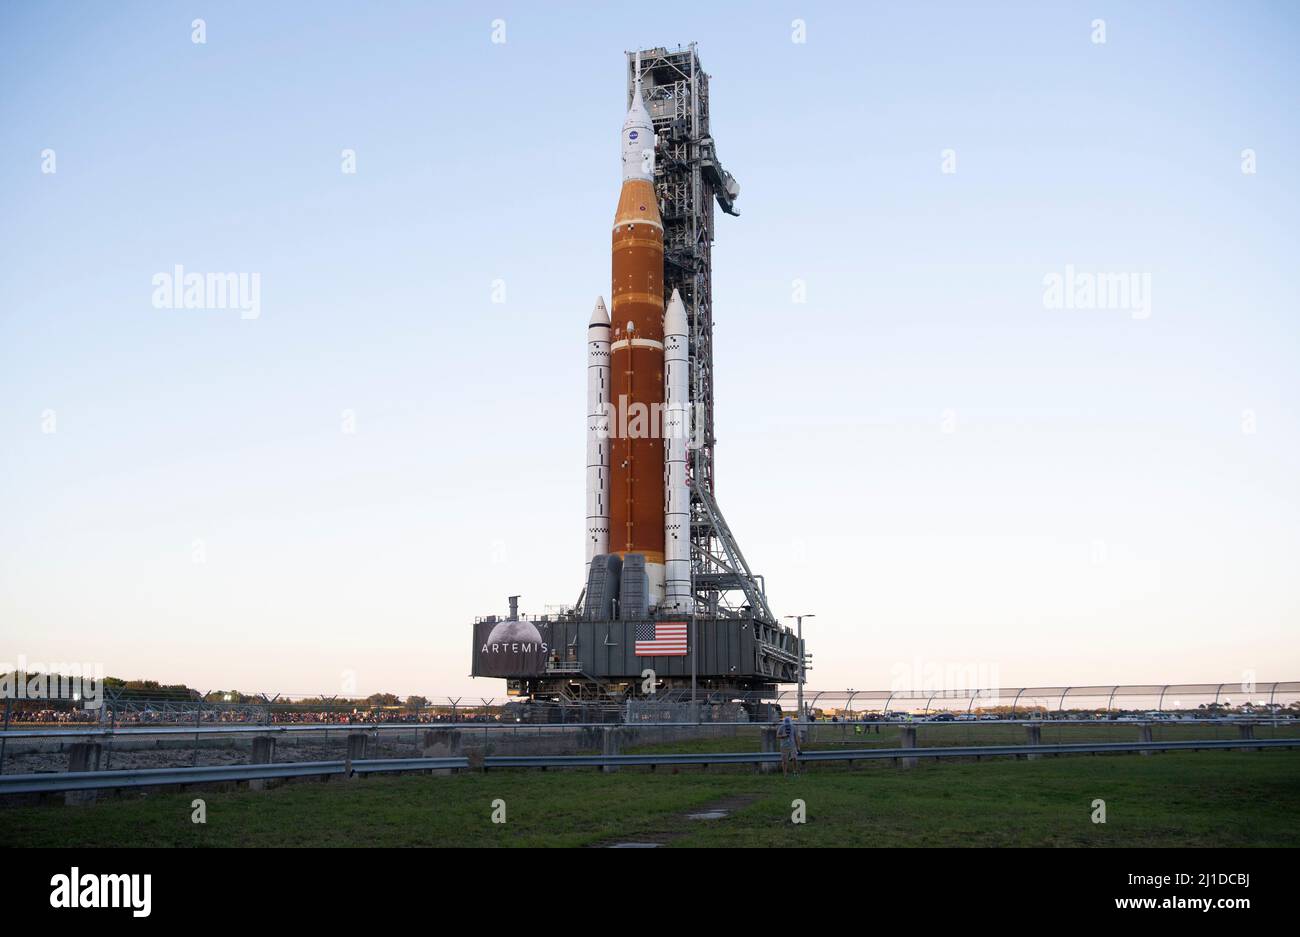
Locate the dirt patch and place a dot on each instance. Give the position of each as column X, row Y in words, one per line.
column 679, row 824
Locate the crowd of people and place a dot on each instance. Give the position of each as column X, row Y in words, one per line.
column 179, row 715
column 54, row 716
column 378, row 716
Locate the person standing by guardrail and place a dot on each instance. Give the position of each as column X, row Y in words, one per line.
column 789, row 738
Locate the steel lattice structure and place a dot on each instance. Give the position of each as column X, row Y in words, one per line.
column 688, row 178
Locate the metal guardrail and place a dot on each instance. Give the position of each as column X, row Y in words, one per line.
column 869, row 754
column 382, row 765
column 159, row 777
column 610, row 761
column 1068, row 748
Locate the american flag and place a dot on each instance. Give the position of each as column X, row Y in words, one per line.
column 661, row 639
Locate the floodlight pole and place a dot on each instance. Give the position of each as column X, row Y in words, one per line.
column 799, row 624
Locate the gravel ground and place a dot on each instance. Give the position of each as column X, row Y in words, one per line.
column 123, row 760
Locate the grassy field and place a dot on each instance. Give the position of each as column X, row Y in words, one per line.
column 1183, row 799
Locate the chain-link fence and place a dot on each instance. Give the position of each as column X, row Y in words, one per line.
column 1280, row 700
column 1156, row 701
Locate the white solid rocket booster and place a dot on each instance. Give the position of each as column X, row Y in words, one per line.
column 677, row 426
column 598, row 432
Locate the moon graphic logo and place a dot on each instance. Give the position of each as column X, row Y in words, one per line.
column 515, row 632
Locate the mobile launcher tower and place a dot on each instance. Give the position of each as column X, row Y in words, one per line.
column 667, row 587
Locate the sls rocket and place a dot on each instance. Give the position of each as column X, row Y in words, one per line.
column 638, row 413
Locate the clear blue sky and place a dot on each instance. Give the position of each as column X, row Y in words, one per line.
column 1096, row 514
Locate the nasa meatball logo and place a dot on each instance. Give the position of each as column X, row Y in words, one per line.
column 632, row 135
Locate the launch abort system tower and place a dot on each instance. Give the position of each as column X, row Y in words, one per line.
column 626, row 622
